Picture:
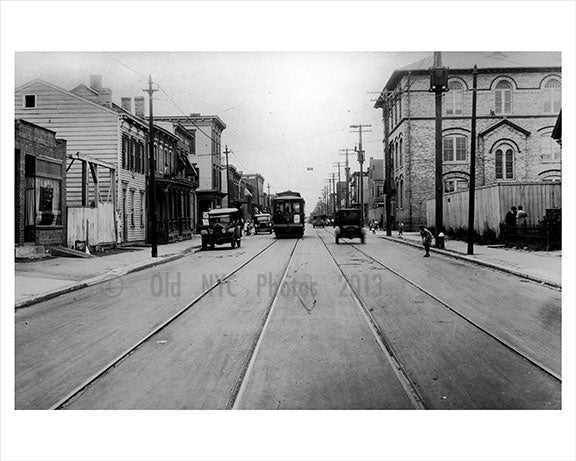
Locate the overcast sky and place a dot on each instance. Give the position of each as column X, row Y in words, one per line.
column 284, row 111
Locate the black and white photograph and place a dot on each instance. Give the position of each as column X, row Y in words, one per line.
column 246, row 212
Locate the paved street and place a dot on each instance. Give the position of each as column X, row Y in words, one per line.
column 296, row 324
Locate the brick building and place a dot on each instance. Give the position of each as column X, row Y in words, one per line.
column 375, row 189
column 519, row 98
column 40, row 180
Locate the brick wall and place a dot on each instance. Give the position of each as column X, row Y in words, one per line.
column 418, row 133
column 33, row 140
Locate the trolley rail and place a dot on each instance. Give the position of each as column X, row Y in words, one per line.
column 401, row 373
column 503, row 342
column 61, row 404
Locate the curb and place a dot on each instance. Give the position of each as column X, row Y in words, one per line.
column 462, row 257
column 110, row 275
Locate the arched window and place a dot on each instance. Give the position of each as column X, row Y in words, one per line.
column 400, row 153
column 396, row 154
column 391, row 149
column 455, row 148
column 504, row 162
column 549, row 148
column 552, row 96
column 454, row 98
column 503, row 101
column 401, row 194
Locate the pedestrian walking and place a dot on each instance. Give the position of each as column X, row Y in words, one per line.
column 426, row 240
column 401, row 229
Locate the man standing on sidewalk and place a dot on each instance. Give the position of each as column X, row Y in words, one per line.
column 426, row 239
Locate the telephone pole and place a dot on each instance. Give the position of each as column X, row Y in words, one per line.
column 338, row 198
column 472, row 185
column 269, row 199
column 438, row 85
column 361, row 162
column 226, row 152
column 347, row 172
column 152, row 189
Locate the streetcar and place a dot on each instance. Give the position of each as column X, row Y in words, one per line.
column 288, row 214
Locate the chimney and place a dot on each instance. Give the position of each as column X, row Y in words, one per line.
column 105, row 97
column 96, row 82
column 139, row 106
column 126, row 104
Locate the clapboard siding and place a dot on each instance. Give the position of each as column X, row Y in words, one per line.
column 90, row 129
column 492, row 203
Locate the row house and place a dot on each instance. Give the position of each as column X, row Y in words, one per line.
column 40, row 180
column 356, row 197
column 376, row 189
column 255, row 184
column 110, row 198
column 518, row 101
column 207, row 130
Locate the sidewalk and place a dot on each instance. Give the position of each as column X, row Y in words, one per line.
column 539, row 266
column 37, row 281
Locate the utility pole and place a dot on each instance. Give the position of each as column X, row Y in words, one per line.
column 387, row 167
column 347, row 172
column 472, row 190
column 333, row 195
column 152, row 189
column 338, row 198
column 226, row 152
column 269, row 199
column 438, row 85
column 361, row 161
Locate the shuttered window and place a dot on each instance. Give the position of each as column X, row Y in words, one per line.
column 455, row 148
column 454, row 98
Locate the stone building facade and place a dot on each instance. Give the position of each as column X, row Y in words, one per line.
column 40, row 180
column 518, row 102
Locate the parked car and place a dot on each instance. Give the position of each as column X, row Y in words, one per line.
column 348, row 223
column 223, row 227
column 263, row 223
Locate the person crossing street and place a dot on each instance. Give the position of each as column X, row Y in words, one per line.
column 426, row 240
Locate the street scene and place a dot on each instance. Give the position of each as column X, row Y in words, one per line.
column 329, row 231
column 412, row 260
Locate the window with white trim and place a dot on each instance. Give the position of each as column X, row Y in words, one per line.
column 552, row 96
column 503, row 97
column 455, row 147
column 549, row 149
column 454, row 98
column 504, row 162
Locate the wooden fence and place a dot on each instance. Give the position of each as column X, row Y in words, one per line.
column 492, row 203
column 97, row 225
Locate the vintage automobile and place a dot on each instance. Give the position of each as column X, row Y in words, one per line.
column 262, row 223
column 318, row 221
column 348, row 223
column 223, row 227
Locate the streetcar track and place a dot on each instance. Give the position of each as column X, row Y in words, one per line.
column 241, row 383
column 399, row 370
column 110, row 365
column 503, row 342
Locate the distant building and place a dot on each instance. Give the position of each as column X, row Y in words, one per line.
column 40, row 177
column 376, row 189
column 355, row 196
column 519, row 99
column 208, row 131
column 255, row 184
